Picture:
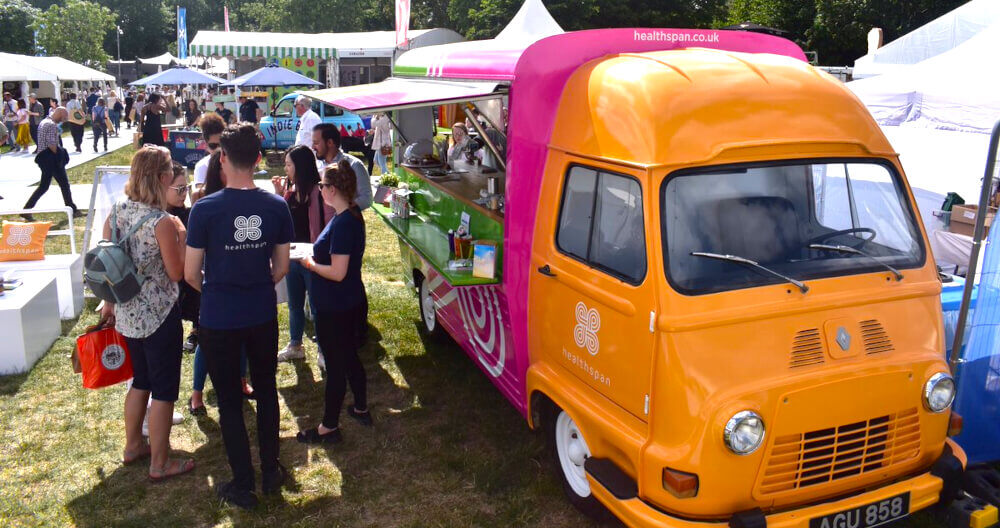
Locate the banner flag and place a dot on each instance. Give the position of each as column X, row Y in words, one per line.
column 225, row 13
column 182, row 34
column 402, row 21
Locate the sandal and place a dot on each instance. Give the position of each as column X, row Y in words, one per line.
column 196, row 411
column 173, row 467
column 130, row 457
column 312, row 436
column 364, row 418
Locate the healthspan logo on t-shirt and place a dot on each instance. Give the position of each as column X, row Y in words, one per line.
column 247, row 230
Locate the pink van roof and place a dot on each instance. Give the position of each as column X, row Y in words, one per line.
column 497, row 60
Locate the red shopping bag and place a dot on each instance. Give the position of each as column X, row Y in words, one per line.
column 104, row 358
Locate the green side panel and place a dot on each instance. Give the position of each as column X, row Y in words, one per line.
column 446, row 211
column 431, row 242
column 410, row 71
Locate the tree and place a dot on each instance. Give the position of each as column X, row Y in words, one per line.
column 17, row 18
column 76, row 31
column 147, row 27
column 837, row 29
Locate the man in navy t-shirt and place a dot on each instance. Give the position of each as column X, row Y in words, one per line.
column 238, row 241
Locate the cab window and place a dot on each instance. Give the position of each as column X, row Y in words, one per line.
column 285, row 108
column 601, row 223
column 331, row 111
column 735, row 227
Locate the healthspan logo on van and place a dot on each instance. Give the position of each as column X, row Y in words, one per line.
column 588, row 322
column 247, row 228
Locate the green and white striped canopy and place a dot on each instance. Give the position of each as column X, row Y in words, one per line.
column 247, row 44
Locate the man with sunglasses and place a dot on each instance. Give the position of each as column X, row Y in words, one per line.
column 307, row 121
column 211, row 126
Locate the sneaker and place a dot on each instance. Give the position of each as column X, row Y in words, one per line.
column 78, row 213
column 191, row 342
column 271, row 483
column 237, row 497
column 291, row 352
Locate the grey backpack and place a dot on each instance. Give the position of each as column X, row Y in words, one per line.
column 108, row 269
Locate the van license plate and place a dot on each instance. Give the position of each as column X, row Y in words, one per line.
column 867, row 516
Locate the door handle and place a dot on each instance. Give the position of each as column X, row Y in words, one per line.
column 546, row 270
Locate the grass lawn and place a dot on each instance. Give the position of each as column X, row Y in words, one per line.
column 447, row 450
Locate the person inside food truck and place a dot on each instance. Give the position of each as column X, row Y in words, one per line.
column 463, row 147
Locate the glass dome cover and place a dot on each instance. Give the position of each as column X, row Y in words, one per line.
column 422, row 153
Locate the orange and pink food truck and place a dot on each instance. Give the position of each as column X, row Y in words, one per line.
column 710, row 291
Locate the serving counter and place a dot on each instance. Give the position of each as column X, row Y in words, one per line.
column 438, row 199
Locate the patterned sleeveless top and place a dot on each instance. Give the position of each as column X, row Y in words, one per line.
column 144, row 313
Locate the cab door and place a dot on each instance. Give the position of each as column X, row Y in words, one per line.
column 286, row 123
column 592, row 305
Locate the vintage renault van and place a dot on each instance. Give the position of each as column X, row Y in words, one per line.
column 713, row 294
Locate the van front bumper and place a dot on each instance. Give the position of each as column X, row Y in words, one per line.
column 925, row 490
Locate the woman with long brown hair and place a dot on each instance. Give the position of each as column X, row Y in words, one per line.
column 151, row 321
column 338, row 294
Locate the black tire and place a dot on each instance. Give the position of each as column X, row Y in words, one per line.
column 571, row 483
column 428, row 313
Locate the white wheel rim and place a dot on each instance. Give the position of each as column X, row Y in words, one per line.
column 572, row 451
column 427, row 307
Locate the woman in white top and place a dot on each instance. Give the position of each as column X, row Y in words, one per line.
column 462, row 144
column 383, row 138
column 151, row 321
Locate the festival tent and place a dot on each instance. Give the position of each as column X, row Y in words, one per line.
column 49, row 75
column 935, row 37
column 956, row 90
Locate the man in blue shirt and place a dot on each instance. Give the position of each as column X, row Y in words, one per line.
column 238, row 240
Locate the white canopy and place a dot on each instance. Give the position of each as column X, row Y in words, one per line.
column 28, row 68
column 531, row 23
column 955, row 90
column 161, row 60
column 12, row 69
column 935, row 37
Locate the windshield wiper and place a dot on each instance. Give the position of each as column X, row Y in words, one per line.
column 747, row 262
column 853, row 251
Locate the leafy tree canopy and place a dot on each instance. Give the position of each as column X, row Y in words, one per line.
column 16, row 19
column 75, row 31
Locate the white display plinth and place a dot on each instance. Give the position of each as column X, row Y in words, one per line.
column 29, row 319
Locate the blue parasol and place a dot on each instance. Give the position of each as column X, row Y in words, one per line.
column 178, row 75
column 272, row 75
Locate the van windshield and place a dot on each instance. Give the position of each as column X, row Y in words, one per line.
column 776, row 215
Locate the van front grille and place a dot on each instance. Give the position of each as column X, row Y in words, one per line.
column 807, row 348
column 875, row 337
column 826, row 455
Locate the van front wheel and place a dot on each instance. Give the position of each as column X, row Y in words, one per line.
column 428, row 312
column 570, row 452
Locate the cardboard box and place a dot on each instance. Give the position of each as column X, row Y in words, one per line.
column 963, row 219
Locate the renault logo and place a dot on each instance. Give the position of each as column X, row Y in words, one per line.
column 843, row 339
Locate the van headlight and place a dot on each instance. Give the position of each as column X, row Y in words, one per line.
column 939, row 392
column 744, row 432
